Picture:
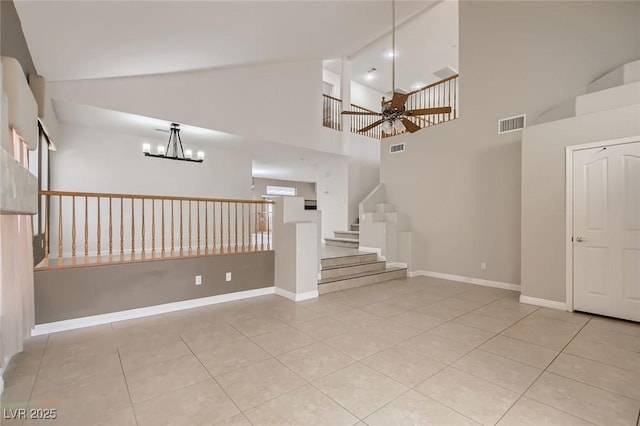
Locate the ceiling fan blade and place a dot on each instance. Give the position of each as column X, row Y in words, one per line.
column 410, row 125
column 360, row 113
column 370, row 126
column 428, row 111
column 398, row 100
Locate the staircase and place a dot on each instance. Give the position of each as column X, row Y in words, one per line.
column 353, row 268
column 348, row 239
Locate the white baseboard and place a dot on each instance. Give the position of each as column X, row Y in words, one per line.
column 468, row 280
column 75, row 323
column 552, row 304
column 296, row 297
column 396, row 265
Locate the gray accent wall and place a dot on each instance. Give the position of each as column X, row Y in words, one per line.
column 460, row 182
column 62, row 294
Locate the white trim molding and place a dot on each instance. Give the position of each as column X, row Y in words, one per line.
column 75, row 323
column 551, row 304
column 296, row 297
column 468, row 280
column 397, row 265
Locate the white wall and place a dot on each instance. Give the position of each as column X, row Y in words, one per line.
column 365, row 97
column 333, row 78
column 333, row 194
column 364, row 170
column 361, row 95
column 459, row 182
column 95, row 161
column 543, row 193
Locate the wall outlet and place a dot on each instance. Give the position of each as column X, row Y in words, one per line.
column 198, row 279
column 228, row 276
column 483, row 265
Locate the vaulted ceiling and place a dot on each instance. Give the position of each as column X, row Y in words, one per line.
column 78, row 40
column 72, row 40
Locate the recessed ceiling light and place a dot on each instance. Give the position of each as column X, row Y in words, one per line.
column 418, row 85
column 390, row 54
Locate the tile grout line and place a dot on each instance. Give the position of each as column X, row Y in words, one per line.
column 126, row 382
column 214, row 379
column 35, row 380
column 540, row 375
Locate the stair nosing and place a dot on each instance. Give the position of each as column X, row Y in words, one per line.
column 342, row 240
column 359, row 275
column 351, row 265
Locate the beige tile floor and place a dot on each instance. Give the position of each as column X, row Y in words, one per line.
column 407, row 352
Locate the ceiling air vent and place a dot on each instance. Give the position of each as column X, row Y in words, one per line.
column 445, row 72
column 511, row 124
column 394, row 149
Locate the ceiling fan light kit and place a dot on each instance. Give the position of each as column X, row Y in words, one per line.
column 394, row 115
column 175, row 145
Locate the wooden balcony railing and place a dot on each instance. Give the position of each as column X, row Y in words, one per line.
column 101, row 227
column 331, row 109
column 440, row 94
column 361, row 121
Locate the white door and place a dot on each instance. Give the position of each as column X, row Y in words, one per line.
column 606, row 230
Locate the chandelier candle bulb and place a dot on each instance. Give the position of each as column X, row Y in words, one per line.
column 146, row 147
column 188, row 153
column 161, row 149
column 200, row 155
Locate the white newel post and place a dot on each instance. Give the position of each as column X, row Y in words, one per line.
column 296, row 242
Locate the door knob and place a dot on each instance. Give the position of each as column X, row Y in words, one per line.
column 579, row 239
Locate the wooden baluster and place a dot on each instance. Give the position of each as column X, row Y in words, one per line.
column 235, row 237
column 455, row 98
column 59, row 230
column 243, row 234
column 172, row 229
column 99, row 232
column 153, row 226
column 449, row 98
column 133, row 228
column 181, row 228
column 198, row 228
column 121, row 227
column 46, row 226
column 228, row 226
column 206, row 227
column 110, row 228
column 263, row 222
column 73, row 226
column 142, row 200
column 189, row 226
column 214, row 227
column 163, row 227
column 86, row 226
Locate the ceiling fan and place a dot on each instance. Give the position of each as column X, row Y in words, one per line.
column 394, row 114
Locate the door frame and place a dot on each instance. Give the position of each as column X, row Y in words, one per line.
column 569, row 150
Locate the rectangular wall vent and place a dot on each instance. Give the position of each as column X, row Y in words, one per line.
column 512, row 124
column 399, row 147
